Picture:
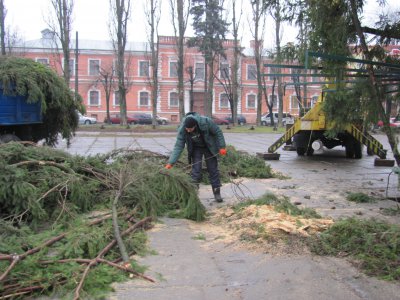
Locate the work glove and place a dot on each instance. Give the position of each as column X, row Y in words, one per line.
column 222, row 152
column 168, row 166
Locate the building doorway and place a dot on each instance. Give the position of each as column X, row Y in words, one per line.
column 198, row 102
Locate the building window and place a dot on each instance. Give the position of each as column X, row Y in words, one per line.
column 94, row 67
column 251, row 72
column 223, row 101
column 144, row 99
column 116, row 98
column 144, row 69
column 173, row 69
column 114, row 67
column 251, row 101
column 199, row 71
column 44, row 61
column 173, row 99
column 294, row 103
column 94, row 98
column 273, row 100
column 71, row 66
column 273, row 71
column 224, row 70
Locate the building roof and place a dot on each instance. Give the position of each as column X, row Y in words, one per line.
column 45, row 43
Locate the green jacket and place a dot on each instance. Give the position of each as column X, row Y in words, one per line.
column 212, row 134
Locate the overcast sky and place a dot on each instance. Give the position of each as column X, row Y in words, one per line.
column 91, row 19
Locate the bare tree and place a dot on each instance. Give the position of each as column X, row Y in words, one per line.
column 61, row 26
column 2, row 29
column 107, row 80
column 119, row 16
column 276, row 10
column 259, row 19
column 236, row 20
column 153, row 13
column 180, row 11
column 8, row 37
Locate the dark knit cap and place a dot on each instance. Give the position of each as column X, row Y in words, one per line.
column 190, row 122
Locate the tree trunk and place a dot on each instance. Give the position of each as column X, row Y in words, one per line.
column 2, row 29
column 375, row 89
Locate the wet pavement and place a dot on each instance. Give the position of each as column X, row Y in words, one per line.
column 189, row 268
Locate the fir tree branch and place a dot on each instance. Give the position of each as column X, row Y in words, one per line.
column 43, row 163
column 15, row 258
column 100, row 255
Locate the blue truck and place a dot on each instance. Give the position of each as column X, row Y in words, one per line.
column 18, row 118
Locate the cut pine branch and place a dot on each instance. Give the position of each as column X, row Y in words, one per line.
column 103, row 252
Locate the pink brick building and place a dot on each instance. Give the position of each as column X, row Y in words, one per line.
column 96, row 56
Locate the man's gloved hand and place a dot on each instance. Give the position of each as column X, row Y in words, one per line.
column 168, row 166
column 222, row 152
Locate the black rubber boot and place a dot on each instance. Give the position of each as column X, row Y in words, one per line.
column 217, row 194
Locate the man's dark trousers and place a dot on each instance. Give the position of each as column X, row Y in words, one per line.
column 211, row 163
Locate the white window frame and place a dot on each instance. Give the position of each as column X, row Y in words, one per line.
column 148, row 98
column 248, row 67
column 71, row 70
column 220, row 101
column 169, row 99
column 115, row 98
column 222, row 66
column 255, row 101
column 89, row 66
column 172, row 69
column 293, row 100
column 89, row 98
column 42, row 60
column 276, row 104
column 140, row 68
column 198, row 68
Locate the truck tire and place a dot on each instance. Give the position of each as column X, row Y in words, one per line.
column 310, row 151
column 349, row 147
column 6, row 138
column 263, row 123
column 87, row 122
column 357, row 150
column 300, row 151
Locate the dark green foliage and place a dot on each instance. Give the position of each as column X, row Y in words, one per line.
column 39, row 83
column 374, row 244
column 42, row 188
column 235, row 164
column 281, row 205
column 359, row 198
column 209, row 27
column 244, row 165
column 81, row 241
column 331, row 26
column 63, row 185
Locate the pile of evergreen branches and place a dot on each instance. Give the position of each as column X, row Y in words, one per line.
column 39, row 83
column 57, row 214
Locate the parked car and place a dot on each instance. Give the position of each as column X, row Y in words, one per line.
column 240, row 119
column 162, row 120
column 116, row 119
column 286, row 118
column 219, row 121
column 143, row 118
column 86, row 120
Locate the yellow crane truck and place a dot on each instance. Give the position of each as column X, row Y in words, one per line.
column 308, row 134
